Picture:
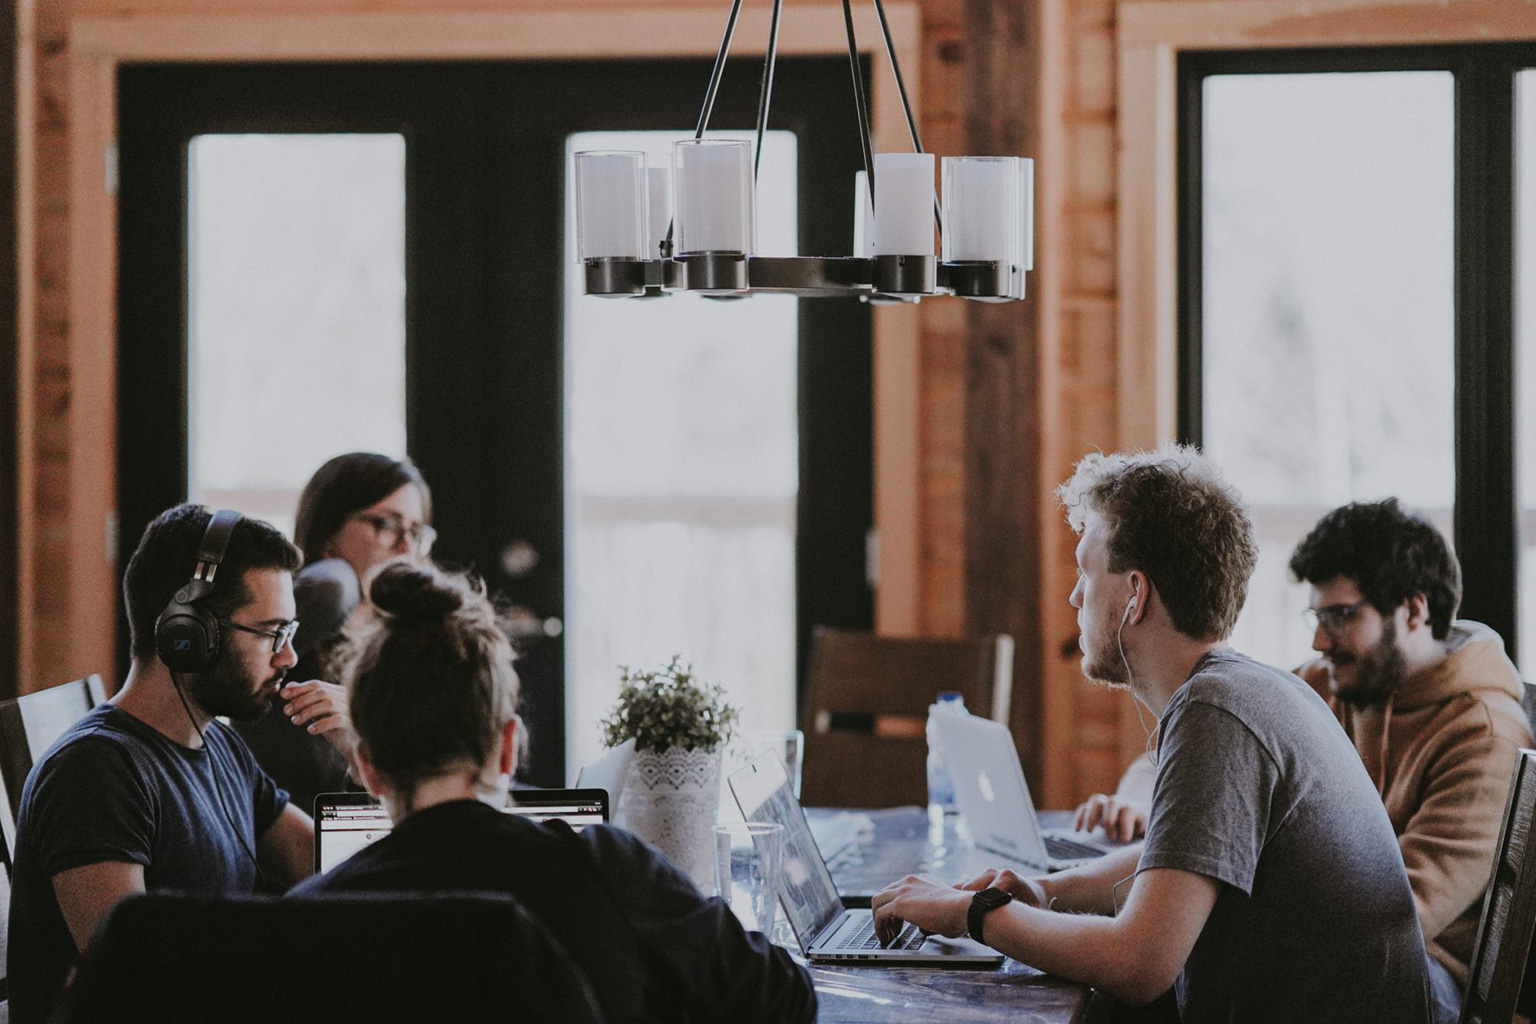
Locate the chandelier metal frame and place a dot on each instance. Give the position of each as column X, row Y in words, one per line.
column 879, row 278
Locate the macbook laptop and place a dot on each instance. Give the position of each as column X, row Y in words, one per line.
column 827, row 931
column 994, row 798
column 347, row 822
column 608, row 772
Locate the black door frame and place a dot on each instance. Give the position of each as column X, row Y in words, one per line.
column 1486, row 506
column 484, row 108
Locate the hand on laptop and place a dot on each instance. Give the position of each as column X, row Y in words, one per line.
column 1025, row 890
column 932, row 906
column 1123, row 818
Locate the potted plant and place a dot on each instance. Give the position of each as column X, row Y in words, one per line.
column 679, row 726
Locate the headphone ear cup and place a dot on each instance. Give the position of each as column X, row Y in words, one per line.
column 187, row 638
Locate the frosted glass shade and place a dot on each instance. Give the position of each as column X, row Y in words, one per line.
column 982, row 209
column 659, row 217
column 904, row 204
column 713, row 197
column 610, row 205
column 863, row 217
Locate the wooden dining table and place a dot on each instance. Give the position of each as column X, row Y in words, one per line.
column 894, row 842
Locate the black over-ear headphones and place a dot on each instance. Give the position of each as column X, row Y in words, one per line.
column 187, row 636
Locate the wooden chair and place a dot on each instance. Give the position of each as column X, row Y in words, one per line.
column 867, row 707
column 1503, row 945
column 31, row 723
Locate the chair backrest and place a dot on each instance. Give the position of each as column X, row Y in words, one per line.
column 30, row 724
column 378, row 958
column 1509, row 910
column 867, row 704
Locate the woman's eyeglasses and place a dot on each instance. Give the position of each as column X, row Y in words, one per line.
column 391, row 528
column 281, row 637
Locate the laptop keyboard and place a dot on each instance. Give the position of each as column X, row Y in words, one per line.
column 1060, row 848
column 865, row 938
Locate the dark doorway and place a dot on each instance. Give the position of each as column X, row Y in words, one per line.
column 484, row 266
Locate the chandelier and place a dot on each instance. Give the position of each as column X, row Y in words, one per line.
column 691, row 226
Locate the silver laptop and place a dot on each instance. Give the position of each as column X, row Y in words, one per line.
column 994, row 798
column 608, row 772
column 347, row 822
column 826, row 930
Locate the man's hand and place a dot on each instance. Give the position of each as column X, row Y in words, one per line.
column 1123, row 818
column 1025, row 890
column 932, row 906
column 321, row 708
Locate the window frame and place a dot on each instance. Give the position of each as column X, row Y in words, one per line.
column 1486, row 501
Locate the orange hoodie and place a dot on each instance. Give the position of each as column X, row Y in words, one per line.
column 1441, row 751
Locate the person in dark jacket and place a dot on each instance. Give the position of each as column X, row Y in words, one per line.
column 433, row 698
column 358, row 511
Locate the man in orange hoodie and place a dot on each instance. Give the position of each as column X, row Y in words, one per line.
column 1432, row 704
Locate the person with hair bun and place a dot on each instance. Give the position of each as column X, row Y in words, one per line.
column 358, row 511
column 433, row 697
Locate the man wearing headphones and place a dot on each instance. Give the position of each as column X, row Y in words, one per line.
column 149, row 791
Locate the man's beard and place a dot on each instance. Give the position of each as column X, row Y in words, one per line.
column 228, row 690
column 1379, row 671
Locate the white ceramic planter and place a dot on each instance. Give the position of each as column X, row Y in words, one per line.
column 670, row 800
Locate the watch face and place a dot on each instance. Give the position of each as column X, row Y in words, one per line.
column 993, row 898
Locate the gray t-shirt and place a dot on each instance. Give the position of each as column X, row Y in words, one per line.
column 1259, row 788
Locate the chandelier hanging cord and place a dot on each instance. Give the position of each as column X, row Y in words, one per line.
column 715, row 74
column 858, row 100
column 906, row 106
column 765, row 94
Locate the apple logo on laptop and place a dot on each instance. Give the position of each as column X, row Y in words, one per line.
column 985, row 785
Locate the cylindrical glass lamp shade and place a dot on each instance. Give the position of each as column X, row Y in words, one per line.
column 903, row 204
column 982, row 209
column 660, row 215
column 610, row 205
column 714, row 197
column 1027, row 212
column 863, row 217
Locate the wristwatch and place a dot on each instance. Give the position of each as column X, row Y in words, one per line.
column 982, row 904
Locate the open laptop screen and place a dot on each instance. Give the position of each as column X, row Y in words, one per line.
column 347, row 822
column 807, row 892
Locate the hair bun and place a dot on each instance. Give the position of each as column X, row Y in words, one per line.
column 412, row 591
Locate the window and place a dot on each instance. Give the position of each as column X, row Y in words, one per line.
column 682, row 478
column 1346, row 292
column 295, row 274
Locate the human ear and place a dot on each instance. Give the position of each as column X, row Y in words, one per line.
column 509, row 746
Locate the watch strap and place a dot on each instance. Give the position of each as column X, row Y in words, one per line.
column 982, row 904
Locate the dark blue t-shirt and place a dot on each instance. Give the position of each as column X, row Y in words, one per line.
column 114, row 789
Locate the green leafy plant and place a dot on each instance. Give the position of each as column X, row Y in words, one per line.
column 668, row 708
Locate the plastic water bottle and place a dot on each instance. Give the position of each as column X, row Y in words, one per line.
column 941, row 787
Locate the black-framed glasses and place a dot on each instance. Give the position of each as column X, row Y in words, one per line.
column 281, row 637
column 1332, row 618
column 390, row 528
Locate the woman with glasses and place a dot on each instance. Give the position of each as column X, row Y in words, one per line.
column 357, row 512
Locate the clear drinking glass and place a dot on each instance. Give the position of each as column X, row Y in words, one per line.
column 749, row 857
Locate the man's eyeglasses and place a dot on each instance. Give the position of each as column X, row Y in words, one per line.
column 390, row 528
column 1332, row 618
column 281, row 637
